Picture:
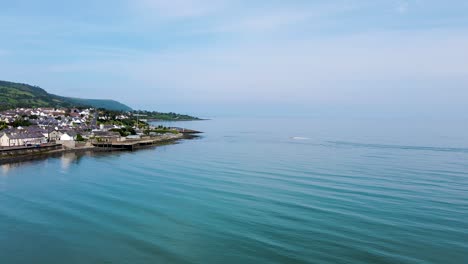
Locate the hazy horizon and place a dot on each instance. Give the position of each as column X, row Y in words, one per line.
column 404, row 58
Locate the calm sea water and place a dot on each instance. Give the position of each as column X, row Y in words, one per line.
column 249, row 191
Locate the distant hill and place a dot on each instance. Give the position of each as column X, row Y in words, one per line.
column 100, row 103
column 14, row 95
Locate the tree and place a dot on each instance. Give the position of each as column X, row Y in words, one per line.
column 3, row 125
column 79, row 137
column 21, row 122
column 120, row 131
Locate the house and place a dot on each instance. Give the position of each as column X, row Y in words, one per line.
column 21, row 139
column 35, row 130
column 8, row 120
column 8, row 140
column 68, row 136
column 55, row 135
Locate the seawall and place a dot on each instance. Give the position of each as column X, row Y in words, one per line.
column 19, row 154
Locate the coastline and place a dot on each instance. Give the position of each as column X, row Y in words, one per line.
column 175, row 120
column 45, row 154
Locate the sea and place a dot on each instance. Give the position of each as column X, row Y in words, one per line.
column 249, row 190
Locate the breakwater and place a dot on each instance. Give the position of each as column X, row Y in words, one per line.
column 137, row 143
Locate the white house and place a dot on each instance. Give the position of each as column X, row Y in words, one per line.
column 68, row 136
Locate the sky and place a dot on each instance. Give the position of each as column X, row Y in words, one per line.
column 267, row 57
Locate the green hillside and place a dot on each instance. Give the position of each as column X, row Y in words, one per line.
column 14, row 95
column 100, row 103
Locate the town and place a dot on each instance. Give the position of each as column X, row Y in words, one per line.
column 75, row 128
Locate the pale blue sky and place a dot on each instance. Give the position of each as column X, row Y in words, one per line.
column 228, row 56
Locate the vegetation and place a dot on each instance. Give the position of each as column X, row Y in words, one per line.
column 21, row 122
column 13, row 95
column 99, row 103
column 124, row 122
column 134, row 116
column 126, row 131
column 3, row 125
column 153, row 115
column 161, row 130
column 79, row 137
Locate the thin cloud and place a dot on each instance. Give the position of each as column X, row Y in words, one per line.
column 227, row 16
column 308, row 71
column 207, row 51
column 178, row 8
column 403, row 7
column 329, row 69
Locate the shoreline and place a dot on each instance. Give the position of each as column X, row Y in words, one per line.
column 175, row 120
column 42, row 155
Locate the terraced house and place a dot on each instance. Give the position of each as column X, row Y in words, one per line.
column 21, row 139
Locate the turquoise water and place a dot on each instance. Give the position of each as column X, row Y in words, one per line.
column 249, row 191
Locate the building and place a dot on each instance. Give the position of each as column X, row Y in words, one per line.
column 21, row 139
column 55, row 135
column 107, row 136
column 68, row 136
